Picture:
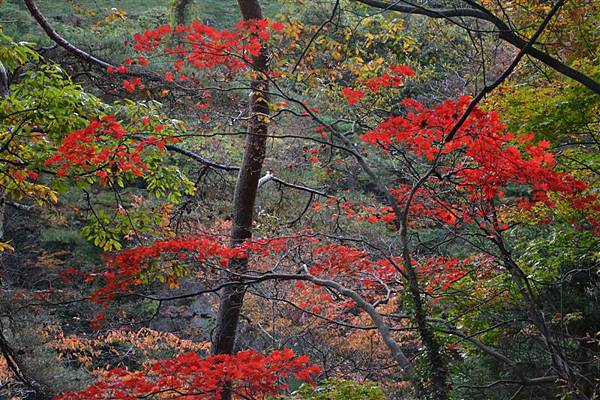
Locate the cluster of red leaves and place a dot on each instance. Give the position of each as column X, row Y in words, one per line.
column 490, row 157
column 344, row 263
column 441, row 272
column 424, row 204
column 23, row 175
column 121, row 69
column 132, row 84
column 122, row 270
column 201, row 47
column 334, row 259
column 247, row 373
column 352, row 96
column 101, row 148
column 266, row 246
column 438, row 274
column 352, row 265
column 350, row 262
column 375, row 84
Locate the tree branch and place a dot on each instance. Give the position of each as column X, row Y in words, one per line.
column 232, row 168
column 62, row 42
column 504, row 31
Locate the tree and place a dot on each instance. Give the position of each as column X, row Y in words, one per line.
column 246, row 186
column 451, row 188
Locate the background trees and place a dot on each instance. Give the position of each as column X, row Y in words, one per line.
column 391, row 216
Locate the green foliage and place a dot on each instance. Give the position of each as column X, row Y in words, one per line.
column 167, row 180
column 13, row 54
column 559, row 111
column 544, row 257
column 42, row 107
column 63, row 236
column 339, row 389
column 100, row 232
column 42, row 94
column 108, row 231
column 70, row 240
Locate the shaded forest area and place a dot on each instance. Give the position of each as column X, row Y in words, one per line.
column 290, row 199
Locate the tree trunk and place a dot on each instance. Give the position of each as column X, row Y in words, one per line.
column 245, row 194
column 2, row 218
column 3, row 82
column 435, row 387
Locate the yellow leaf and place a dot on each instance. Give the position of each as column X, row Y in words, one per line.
column 4, row 246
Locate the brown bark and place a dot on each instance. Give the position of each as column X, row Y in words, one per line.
column 232, row 297
column 245, row 193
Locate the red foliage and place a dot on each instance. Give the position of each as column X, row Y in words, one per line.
column 424, row 204
column 402, row 69
column 249, row 374
column 382, row 82
column 133, row 84
column 202, row 47
column 352, row 96
column 349, row 266
column 485, row 157
column 441, row 272
column 375, row 84
column 102, row 147
column 122, row 269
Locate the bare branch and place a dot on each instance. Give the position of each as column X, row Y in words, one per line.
column 504, row 31
column 62, row 42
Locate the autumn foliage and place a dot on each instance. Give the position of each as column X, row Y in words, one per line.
column 247, row 373
column 409, row 227
column 105, row 148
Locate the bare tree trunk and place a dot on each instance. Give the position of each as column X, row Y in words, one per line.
column 177, row 9
column 3, row 82
column 436, row 385
column 2, row 232
column 232, row 297
column 245, row 194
